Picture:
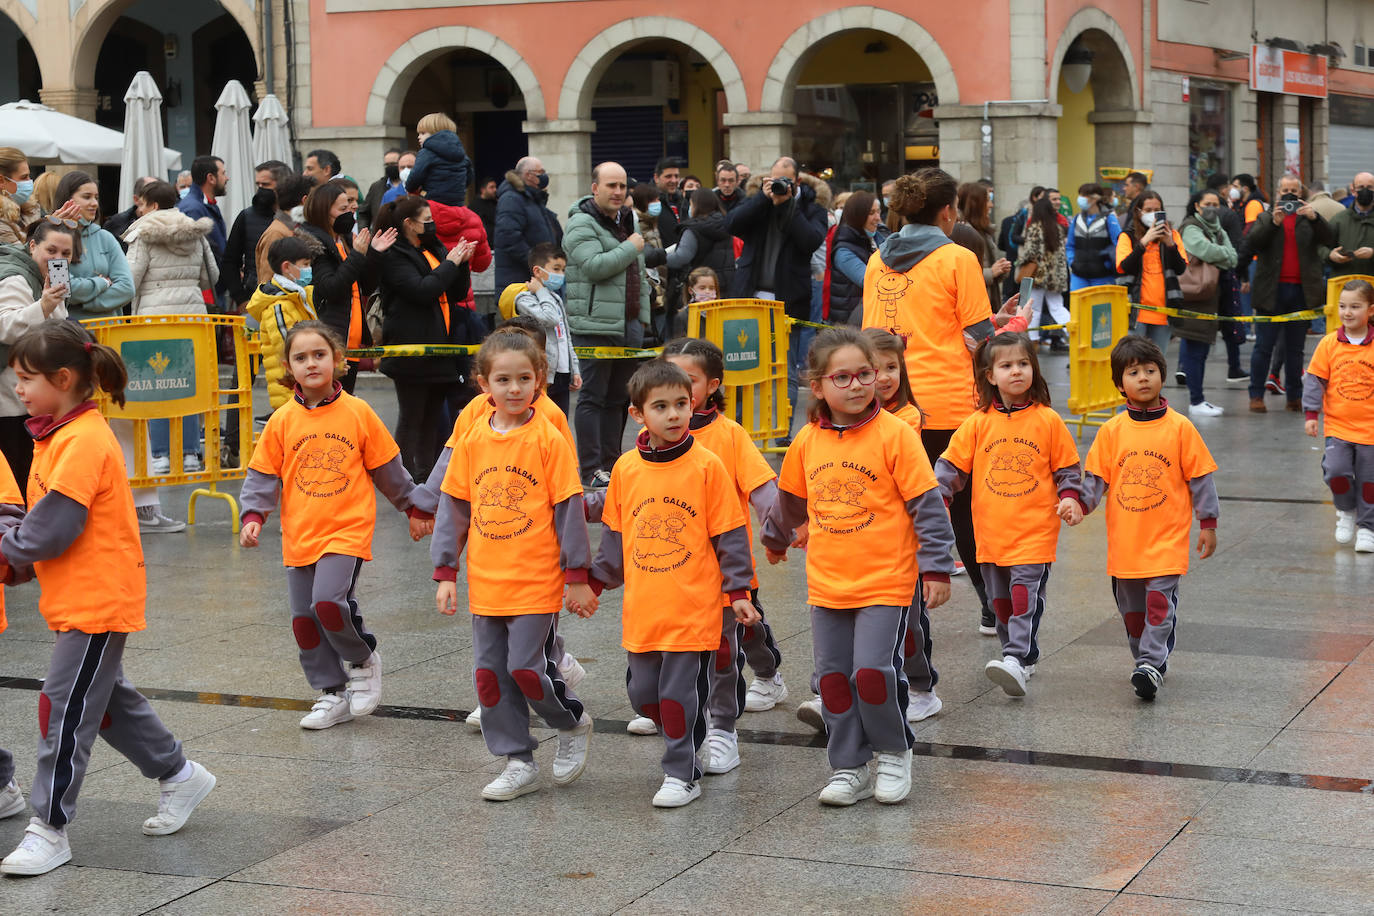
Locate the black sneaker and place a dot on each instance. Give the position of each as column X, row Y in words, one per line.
column 1181, row 378
column 988, row 625
column 1146, row 680
column 600, row 480
column 1235, row 376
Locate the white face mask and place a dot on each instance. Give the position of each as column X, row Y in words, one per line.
column 1234, row 194
column 405, row 174
column 1148, row 218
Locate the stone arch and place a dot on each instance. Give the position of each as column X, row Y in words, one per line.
column 23, row 18
column 413, row 55
column 586, row 70
column 781, row 80
column 94, row 19
column 1092, row 19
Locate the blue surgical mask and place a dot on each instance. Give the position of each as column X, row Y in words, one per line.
column 307, row 276
column 554, row 282
column 872, row 233
column 655, row 208
column 1083, row 202
column 184, row 191
column 22, row 190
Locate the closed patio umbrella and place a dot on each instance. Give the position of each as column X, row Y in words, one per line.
column 142, row 136
column 233, row 142
column 271, row 136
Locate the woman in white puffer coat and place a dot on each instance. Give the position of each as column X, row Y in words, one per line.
column 169, row 256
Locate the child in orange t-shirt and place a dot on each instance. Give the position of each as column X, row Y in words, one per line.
column 755, row 485
column 1155, row 473
column 11, row 513
column 513, row 499
column 1340, row 380
column 1018, row 457
column 674, row 534
column 878, row 532
column 80, row 538
column 321, row 452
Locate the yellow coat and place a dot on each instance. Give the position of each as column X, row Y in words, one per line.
column 276, row 310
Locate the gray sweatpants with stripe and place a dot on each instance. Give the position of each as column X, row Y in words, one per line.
column 1149, row 610
column 329, row 630
column 739, row 644
column 862, row 685
column 6, row 767
column 1348, row 469
column 672, row 689
column 85, row 694
column 515, row 670
column 1017, row 596
column 917, row 645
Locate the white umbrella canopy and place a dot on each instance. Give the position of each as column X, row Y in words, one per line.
column 142, row 136
column 271, row 137
column 233, row 142
column 46, row 136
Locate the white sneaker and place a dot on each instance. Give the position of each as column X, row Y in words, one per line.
column 571, row 758
column 40, row 851
column 765, row 693
column 152, row 521
column 474, row 719
column 572, row 671
column 893, row 782
column 517, row 779
column 809, row 711
column 191, row 464
column 329, row 710
column 1364, row 541
column 364, row 685
column 674, row 793
column 722, row 751
column 161, row 465
column 847, row 786
column 1006, row 672
column 1205, row 409
column 642, row 725
column 1345, row 526
column 11, row 800
column 922, row 705
column 177, row 800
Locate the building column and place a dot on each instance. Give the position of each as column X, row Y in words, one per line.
column 1123, row 137
column 1016, row 145
column 565, row 149
column 78, row 102
column 758, row 138
column 360, row 149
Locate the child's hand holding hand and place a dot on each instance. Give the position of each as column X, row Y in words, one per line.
column 421, row 528
column 248, row 534
column 1310, row 427
column 775, row 557
column 1206, row 542
column 935, row 593
column 446, row 598
column 801, row 536
column 1070, row 511
column 581, row 600
column 745, row 612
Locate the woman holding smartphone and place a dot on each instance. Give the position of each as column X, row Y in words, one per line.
column 1149, row 259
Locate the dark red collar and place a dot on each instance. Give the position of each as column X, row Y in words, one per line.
column 826, row 423
column 703, row 418
column 1341, row 336
column 1148, row 413
column 44, row 426
column 997, row 404
column 338, row 390
column 665, row 454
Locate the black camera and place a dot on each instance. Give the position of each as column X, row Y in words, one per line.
column 1289, row 203
column 781, row 187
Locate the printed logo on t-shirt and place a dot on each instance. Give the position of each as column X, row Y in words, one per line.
column 1354, row 380
column 1009, row 473
column 892, row 287
column 838, row 497
column 320, row 473
column 657, row 545
column 1139, row 489
column 498, row 515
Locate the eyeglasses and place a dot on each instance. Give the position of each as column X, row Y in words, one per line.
column 62, row 221
column 845, row 379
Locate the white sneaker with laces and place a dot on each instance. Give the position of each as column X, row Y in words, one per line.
column 572, row 671
column 177, row 800
column 809, row 711
column 1364, row 541
column 674, row 793
column 922, row 705
column 11, row 800
column 161, row 465
column 642, row 725
column 571, row 758
column 765, row 693
column 847, row 786
column 191, row 464
column 722, row 751
column 1345, row 526
column 329, row 710
column 893, row 782
column 474, row 719
column 152, row 521
column 365, row 685
column 517, row 779
column 1006, row 672
column 1205, row 409
column 40, row 851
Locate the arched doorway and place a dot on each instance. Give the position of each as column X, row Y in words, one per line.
column 19, row 74
column 1096, row 86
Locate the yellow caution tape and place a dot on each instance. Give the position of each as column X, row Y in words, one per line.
column 1210, row 316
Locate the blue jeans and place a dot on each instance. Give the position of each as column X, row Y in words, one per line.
column 160, row 432
column 1192, row 360
column 1293, row 335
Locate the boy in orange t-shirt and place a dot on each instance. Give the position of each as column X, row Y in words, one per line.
column 674, row 534
column 1155, row 473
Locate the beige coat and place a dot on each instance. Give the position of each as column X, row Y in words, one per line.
column 171, row 262
column 15, row 219
column 18, row 313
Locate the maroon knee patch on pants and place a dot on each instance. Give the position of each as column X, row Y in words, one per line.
column 651, row 710
column 1157, row 606
column 529, row 683
column 872, row 686
column 674, row 719
column 44, row 711
column 723, row 660
column 330, row 614
column 1367, row 492
column 1020, row 600
column 306, row 633
column 1340, row 485
column 105, row 721
column 488, row 687
column 835, row 693
column 1002, row 608
column 1135, row 623
column 909, row 644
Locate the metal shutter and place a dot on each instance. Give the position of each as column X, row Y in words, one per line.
column 1348, row 151
column 631, row 136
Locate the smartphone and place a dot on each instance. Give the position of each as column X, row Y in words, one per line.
column 1161, row 217
column 59, row 273
column 1026, row 286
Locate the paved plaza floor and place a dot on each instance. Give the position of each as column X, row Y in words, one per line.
column 1244, row 788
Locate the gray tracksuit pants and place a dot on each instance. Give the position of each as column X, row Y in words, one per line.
column 6, row 767
column 1017, row 596
column 739, row 644
column 1149, row 610
column 515, row 670
column 672, row 689
column 85, row 694
column 1348, row 469
column 862, row 685
column 325, row 620
column 916, row 646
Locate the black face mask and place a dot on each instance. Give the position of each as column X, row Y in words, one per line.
column 343, row 224
column 265, row 200
column 543, row 181
column 1364, row 196
column 429, row 232
column 393, row 171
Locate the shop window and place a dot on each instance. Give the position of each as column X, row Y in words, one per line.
column 1209, row 133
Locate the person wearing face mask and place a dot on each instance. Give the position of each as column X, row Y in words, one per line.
column 523, row 220
column 542, row 300
column 291, row 194
column 850, row 247
column 404, row 166
column 1204, row 239
column 286, row 297
column 423, row 286
column 1353, row 249
column 240, row 250
column 704, row 240
column 18, row 209
column 649, row 209
column 1150, row 256
column 1092, row 240
column 391, row 177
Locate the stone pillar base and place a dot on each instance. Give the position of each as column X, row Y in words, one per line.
column 565, row 148
column 1123, row 137
column 78, row 102
column 758, row 138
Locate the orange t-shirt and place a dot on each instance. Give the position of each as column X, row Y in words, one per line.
column 513, row 480
column 930, row 305
column 9, row 494
column 1147, row 465
column 1348, row 370
column 481, row 407
column 1010, row 462
column 98, row 584
column 909, row 415
column 743, row 461
column 666, row 513
column 862, row 547
column 1152, row 290
column 323, row 457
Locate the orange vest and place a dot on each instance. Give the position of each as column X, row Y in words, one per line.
column 355, row 316
column 443, row 297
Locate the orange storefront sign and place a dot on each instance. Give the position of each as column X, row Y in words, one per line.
column 1288, row 72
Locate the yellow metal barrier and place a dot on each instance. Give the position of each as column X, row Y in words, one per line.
column 1333, row 297
column 752, row 333
column 1098, row 318
column 174, row 373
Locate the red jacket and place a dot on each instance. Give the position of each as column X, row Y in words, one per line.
column 456, row 224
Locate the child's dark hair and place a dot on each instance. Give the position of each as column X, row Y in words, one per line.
column 529, row 324
column 656, row 373
column 1133, row 349
column 884, row 341
column 986, row 355
column 57, row 344
column 823, row 348
column 286, row 249
column 543, row 253
column 709, row 359
column 331, row 337
column 1362, row 288
column 692, row 278
column 511, row 339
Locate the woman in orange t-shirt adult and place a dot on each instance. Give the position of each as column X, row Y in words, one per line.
column 929, row 291
column 1150, row 258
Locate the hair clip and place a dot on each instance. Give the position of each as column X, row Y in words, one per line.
column 87, row 345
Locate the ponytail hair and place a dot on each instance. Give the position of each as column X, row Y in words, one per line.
column 709, row 359
column 58, row 344
column 918, row 197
